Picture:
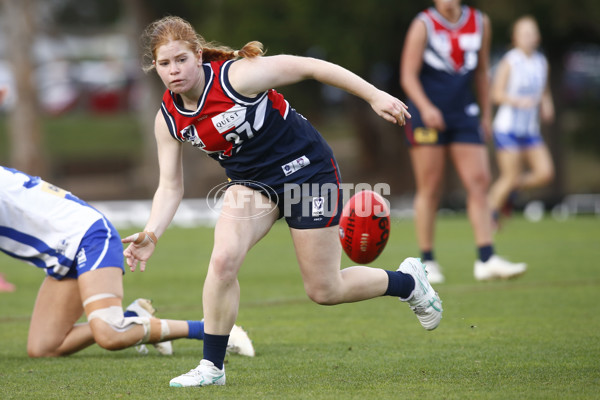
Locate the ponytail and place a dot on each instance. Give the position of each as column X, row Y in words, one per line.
column 212, row 52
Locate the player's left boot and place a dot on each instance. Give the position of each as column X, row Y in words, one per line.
column 424, row 301
column 144, row 308
column 497, row 268
column 203, row 375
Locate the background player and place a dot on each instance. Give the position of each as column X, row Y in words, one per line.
column 6, row 286
column 446, row 50
column 227, row 108
column 521, row 89
column 81, row 253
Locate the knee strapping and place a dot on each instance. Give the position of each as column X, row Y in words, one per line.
column 107, row 307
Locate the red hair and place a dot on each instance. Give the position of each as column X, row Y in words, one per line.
column 171, row 28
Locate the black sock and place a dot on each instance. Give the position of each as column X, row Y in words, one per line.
column 485, row 252
column 399, row 284
column 427, row 255
column 215, row 347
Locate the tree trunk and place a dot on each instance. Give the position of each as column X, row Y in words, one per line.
column 25, row 132
column 137, row 14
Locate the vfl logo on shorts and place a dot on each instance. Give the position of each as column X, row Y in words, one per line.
column 295, row 165
column 318, row 204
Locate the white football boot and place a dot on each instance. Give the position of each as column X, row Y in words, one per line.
column 424, row 301
column 203, row 375
column 143, row 308
column 239, row 342
column 498, row 268
column 434, row 272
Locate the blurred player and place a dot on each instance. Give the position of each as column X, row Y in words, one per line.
column 226, row 107
column 521, row 90
column 445, row 51
column 82, row 255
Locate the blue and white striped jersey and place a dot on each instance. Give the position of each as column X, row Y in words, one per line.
column 528, row 76
column 40, row 223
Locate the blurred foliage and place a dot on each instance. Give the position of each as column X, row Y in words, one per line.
column 85, row 13
column 363, row 36
column 360, row 35
column 584, row 136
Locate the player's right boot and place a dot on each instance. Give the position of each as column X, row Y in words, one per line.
column 239, row 342
column 203, row 375
column 144, row 308
column 434, row 272
column 424, row 301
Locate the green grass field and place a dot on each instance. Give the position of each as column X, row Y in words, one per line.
column 537, row 337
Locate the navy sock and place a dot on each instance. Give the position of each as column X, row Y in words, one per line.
column 485, row 252
column 130, row 314
column 195, row 330
column 399, row 284
column 215, row 347
column 427, row 255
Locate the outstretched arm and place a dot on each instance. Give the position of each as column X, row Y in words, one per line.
column 251, row 76
column 167, row 197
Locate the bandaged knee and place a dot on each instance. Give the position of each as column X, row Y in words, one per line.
column 107, row 307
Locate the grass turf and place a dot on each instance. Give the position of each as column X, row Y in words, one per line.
column 532, row 338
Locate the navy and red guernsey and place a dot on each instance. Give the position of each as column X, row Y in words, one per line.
column 261, row 138
column 450, row 57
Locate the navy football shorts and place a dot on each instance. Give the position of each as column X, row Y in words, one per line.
column 460, row 128
column 314, row 203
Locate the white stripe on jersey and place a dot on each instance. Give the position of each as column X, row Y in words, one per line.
column 170, row 121
column 233, row 96
column 209, row 79
column 259, row 115
column 287, row 110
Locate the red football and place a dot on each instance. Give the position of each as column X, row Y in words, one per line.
column 365, row 226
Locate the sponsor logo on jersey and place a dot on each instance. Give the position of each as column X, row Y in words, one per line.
column 229, row 119
column 295, row 165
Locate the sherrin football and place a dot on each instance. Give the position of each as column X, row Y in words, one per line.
column 365, row 226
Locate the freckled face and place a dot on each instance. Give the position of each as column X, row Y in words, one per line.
column 178, row 67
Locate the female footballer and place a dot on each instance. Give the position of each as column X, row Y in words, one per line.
column 446, row 51
column 521, row 90
column 82, row 256
column 223, row 102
